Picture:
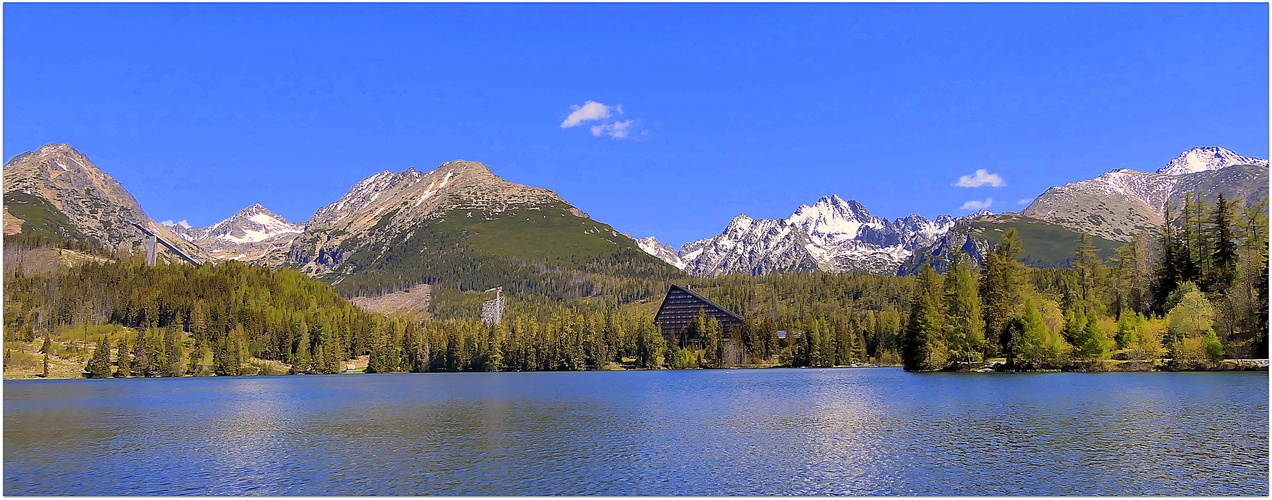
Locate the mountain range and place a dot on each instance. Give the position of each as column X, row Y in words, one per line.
column 462, row 224
column 832, row 234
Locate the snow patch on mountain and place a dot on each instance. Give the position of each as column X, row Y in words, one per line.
column 1211, row 158
column 663, row 251
column 832, row 234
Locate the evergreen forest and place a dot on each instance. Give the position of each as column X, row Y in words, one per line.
column 1186, row 296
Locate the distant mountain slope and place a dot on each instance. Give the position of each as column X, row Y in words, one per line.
column 58, row 192
column 831, row 235
column 1122, row 203
column 254, row 234
column 460, row 225
column 1043, row 244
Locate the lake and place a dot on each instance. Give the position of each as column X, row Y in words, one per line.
column 863, row 431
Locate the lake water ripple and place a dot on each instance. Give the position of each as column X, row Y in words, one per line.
column 720, row 432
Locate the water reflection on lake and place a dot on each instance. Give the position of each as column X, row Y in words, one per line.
column 717, row 432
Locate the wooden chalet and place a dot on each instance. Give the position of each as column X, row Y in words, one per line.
column 680, row 308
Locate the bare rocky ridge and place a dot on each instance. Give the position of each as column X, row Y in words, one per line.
column 94, row 203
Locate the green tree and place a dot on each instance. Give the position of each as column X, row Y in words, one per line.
column 1223, row 269
column 1001, row 285
column 921, row 348
column 964, row 320
column 1091, row 342
column 1012, row 339
column 650, row 346
column 1190, row 315
column 384, row 351
column 1214, row 349
column 174, row 366
column 123, row 360
column 712, row 340
column 99, row 363
column 1092, row 274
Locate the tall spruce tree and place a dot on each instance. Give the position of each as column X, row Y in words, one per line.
column 921, row 335
column 964, row 320
column 1001, row 286
column 99, row 363
column 1223, row 269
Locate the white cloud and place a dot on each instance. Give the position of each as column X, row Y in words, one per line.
column 616, row 130
column 183, row 223
column 977, row 204
column 980, row 178
column 590, row 110
column 1025, row 201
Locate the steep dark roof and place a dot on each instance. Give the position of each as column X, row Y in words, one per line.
column 699, row 297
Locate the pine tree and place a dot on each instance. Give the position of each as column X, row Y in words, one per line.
column 1012, row 339
column 920, row 342
column 1000, row 286
column 1223, row 269
column 1091, row 271
column 965, row 323
column 712, row 340
column 174, row 365
column 123, row 360
column 196, row 357
column 99, row 363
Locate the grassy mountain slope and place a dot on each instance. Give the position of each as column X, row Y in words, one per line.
column 546, row 250
column 41, row 218
column 1043, row 244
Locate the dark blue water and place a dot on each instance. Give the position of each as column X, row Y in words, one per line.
column 736, row 432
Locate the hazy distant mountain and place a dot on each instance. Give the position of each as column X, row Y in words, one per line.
column 1121, row 203
column 830, row 235
column 58, row 192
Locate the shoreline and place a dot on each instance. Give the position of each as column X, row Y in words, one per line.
column 996, row 367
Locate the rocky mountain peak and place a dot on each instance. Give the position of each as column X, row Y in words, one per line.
column 96, row 206
column 470, row 167
column 741, row 221
column 252, row 224
column 1208, row 158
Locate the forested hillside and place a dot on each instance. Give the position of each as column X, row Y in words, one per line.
column 1195, row 293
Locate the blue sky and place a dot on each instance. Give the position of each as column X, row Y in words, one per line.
column 202, row 109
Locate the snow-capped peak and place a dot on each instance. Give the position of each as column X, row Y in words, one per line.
column 834, row 217
column 252, row 224
column 1210, row 158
